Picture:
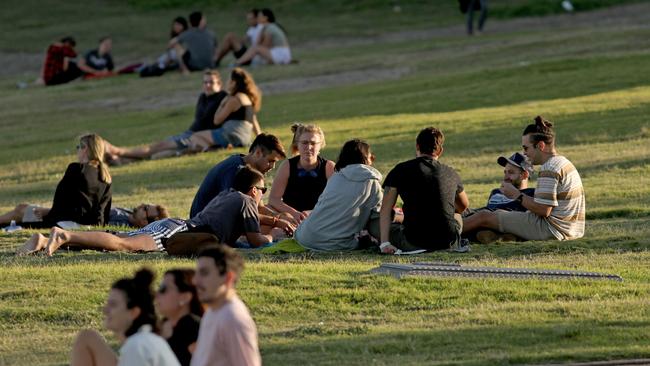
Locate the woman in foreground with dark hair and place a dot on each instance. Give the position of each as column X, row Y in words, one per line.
column 130, row 315
column 344, row 208
column 178, row 303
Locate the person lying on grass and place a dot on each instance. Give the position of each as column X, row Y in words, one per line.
column 228, row 216
column 516, row 171
column 557, row 211
column 129, row 313
column 300, row 180
column 139, row 216
column 206, row 107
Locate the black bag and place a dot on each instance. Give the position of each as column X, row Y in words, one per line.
column 189, row 243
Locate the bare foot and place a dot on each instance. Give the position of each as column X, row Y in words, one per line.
column 36, row 243
column 58, row 237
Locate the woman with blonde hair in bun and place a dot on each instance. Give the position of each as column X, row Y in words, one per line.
column 300, row 180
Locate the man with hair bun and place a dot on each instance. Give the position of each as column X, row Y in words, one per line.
column 557, row 210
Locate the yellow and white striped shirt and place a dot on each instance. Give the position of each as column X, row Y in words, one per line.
column 559, row 185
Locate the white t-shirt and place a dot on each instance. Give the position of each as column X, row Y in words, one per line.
column 145, row 348
column 227, row 336
column 253, row 33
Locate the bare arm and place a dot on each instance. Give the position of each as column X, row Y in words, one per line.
column 528, row 202
column 385, row 213
column 257, row 239
column 462, row 202
column 256, row 126
column 229, row 105
column 329, row 168
column 85, row 68
column 277, row 191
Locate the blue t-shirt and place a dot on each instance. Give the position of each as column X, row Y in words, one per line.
column 219, row 178
column 498, row 201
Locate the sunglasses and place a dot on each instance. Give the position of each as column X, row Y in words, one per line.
column 80, row 146
column 262, row 189
column 162, row 289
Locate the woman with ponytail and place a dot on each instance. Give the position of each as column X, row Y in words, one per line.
column 83, row 195
column 129, row 313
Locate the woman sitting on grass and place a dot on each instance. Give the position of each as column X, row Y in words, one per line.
column 129, row 314
column 178, row 303
column 83, row 195
column 235, row 121
column 272, row 46
column 301, row 180
column 344, row 208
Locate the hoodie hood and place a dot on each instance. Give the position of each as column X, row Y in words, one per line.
column 360, row 173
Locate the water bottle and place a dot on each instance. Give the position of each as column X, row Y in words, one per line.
column 12, row 227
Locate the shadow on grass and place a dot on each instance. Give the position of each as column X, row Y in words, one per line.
column 493, row 344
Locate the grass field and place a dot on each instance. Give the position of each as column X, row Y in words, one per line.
column 588, row 72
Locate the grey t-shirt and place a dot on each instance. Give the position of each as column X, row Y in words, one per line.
column 229, row 215
column 200, row 45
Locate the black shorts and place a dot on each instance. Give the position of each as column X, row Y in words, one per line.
column 241, row 53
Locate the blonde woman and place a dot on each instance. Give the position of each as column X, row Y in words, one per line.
column 83, row 195
column 301, row 179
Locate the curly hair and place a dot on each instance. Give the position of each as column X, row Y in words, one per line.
column 244, row 83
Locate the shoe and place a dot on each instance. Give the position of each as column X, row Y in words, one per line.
column 462, row 246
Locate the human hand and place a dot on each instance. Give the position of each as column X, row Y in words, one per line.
column 285, row 225
column 509, row 190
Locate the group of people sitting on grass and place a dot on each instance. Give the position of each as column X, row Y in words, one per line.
column 204, row 322
column 192, row 47
column 332, row 206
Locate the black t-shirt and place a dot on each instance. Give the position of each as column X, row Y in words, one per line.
column 184, row 334
column 81, row 197
column 97, row 62
column 428, row 189
column 206, row 107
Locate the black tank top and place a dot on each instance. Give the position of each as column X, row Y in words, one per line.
column 304, row 186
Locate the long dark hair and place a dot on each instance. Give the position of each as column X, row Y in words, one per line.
column 180, row 20
column 244, row 83
column 268, row 13
column 183, row 281
column 355, row 151
column 138, row 293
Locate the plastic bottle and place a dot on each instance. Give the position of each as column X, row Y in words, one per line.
column 13, row 227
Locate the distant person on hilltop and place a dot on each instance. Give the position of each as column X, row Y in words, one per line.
column 195, row 46
column 468, row 7
column 238, row 46
column 59, row 66
column 272, row 45
column 557, row 211
column 98, row 63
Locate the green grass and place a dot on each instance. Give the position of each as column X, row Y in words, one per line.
column 592, row 80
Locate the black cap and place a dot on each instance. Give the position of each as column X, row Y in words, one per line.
column 517, row 160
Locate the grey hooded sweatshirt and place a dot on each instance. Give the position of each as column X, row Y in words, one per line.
column 342, row 210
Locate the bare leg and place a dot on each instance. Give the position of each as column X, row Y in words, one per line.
column 90, row 349
column 481, row 219
column 248, row 56
column 146, row 151
column 36, row 243
column 201, row 141
column 179, row 52
column 230, row 43
column 15, row 214
column 98, row 240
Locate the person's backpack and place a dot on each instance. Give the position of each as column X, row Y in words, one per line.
column 189, row 243
column 464, row 5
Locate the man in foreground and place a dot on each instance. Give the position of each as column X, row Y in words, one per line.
column 557, row 210
column 227, row 335
column 433, row 198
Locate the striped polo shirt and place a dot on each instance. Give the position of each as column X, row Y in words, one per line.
column 559, row 185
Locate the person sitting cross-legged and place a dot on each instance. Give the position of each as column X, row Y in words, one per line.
column 557, row 210
column 433, row 196
column 228, row 216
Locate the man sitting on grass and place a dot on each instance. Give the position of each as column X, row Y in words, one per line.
column 557, row 210
column 228, row 216
column 433, row 196
column 516, row 172
column 206, row 107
